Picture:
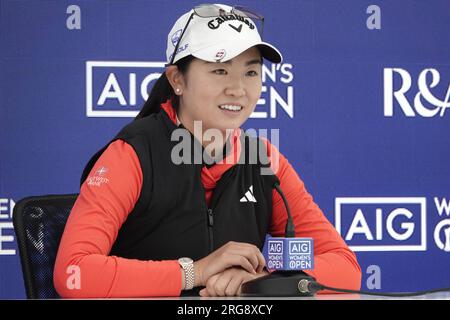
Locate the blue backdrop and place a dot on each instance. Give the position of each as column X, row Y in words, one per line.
column 361, row 102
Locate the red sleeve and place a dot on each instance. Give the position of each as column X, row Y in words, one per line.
column 335, row 265
column 106, row 198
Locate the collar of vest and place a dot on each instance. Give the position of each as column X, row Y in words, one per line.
column 233, row 149
column 170, row 111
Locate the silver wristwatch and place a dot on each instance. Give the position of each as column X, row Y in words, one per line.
column 188, row 266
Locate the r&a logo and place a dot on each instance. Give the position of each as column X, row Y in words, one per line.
column 424, row 93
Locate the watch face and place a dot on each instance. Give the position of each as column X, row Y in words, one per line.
column 185, row 260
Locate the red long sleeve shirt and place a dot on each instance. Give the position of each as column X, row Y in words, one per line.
column 102, row 208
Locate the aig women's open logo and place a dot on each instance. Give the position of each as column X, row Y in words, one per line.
column 382, row 224
column 392, row 224
column 120, row 88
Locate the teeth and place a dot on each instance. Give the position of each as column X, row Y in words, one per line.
column 230, row 107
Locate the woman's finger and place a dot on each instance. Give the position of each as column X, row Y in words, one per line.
column 210, row 285
column 221, row 283
column 234, row 284
column 243, row 262
column 251, row 252
column 204, row 293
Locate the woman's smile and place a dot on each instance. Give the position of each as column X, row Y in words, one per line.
column 231, row 110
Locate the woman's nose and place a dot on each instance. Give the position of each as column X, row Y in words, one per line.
column 235, row 87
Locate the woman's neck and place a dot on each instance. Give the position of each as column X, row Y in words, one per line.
column 212, row 139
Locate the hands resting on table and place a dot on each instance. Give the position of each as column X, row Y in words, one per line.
column 225, row 270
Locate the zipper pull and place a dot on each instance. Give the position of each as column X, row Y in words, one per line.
column 210, row 218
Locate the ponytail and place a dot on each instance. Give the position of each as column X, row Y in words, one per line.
column 162, row 91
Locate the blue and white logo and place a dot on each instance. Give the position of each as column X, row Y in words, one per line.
column 299, row 247
column 289, row 253
column 442, row 235
column 119, row 88
column 434, row 106
column 176, row 36
column 7, row 236
column 275, row 247
column 382, row 223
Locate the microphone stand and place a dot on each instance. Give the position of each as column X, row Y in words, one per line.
column 281, row 283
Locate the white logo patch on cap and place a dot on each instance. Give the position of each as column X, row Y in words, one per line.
column 176, row 37
column 220, row 55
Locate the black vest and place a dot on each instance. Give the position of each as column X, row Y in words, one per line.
column 171, row 218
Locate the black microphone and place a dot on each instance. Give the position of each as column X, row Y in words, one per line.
column 282, row 282
column 290, row 228
column 289, row 231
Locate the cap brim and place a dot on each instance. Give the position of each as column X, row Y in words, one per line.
column 233, row 49
column 269, row 52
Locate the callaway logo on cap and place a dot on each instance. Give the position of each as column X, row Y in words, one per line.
column 217, row 38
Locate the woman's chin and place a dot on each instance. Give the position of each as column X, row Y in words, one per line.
column 227, row 127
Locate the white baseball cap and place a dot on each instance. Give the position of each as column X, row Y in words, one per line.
column 218, row 38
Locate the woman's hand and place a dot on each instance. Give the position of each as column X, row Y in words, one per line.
column 233, row 254
column 228, row 283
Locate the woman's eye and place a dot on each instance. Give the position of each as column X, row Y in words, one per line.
column 220, row 71
column 251, row 73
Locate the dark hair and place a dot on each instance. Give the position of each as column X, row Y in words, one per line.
column 162, row 91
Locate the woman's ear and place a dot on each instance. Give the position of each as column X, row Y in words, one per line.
column 175, row 78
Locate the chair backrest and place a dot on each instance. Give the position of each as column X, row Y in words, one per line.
column 39, row 223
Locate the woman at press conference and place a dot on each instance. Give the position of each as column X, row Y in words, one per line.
column 146, row 225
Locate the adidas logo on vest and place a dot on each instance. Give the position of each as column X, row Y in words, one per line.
column 248, row 197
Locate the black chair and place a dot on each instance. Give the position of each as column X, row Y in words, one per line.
column 39, row 223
